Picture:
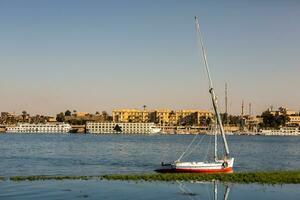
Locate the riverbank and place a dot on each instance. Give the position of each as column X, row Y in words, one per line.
column 274, row 177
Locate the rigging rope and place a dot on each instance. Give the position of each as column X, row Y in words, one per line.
column 187, row 148
column 209, row 144
column 185, row 190
column 199, row 142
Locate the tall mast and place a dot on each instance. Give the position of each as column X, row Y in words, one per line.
column 216, row 142
column 211, row 89
column 226, row 108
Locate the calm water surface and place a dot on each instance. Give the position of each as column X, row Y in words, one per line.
column 101, row 154
column 94, row 189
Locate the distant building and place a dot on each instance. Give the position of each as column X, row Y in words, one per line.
column 7, row 114
column 131, row 115
column 80, row 114
column 294, row 120
column 51, row 119
column 161, row 116
column 294, row 117
column 283, row 110
column 191, row 116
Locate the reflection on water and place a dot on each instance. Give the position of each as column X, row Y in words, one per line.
column 216, row 196
column 114, row 190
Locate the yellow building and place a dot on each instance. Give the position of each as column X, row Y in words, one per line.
column 191, row 116
column 81, row 114
column 131, row 115
column 161, row 116
column 294, row 120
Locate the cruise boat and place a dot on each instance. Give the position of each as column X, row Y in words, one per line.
column 225, row 164
column 124, row 128
column 283, row 131
column 39, row 128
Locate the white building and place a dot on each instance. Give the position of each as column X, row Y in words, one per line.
column 124, row 128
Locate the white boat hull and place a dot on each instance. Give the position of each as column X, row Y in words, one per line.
column 219, row 166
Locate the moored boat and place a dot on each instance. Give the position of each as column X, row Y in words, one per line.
column 39, row 128
column 223, row 165
column 121, row 128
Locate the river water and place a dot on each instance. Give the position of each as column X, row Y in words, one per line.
column 53, row 154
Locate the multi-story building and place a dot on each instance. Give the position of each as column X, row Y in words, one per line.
column 7, row 114
column 80, row 114
column 282, row 111
column 162, row 116
column 131, row 115
column 294, row 120
column 192, row 117
column 294, row 117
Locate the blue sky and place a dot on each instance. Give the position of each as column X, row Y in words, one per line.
column 100, row 55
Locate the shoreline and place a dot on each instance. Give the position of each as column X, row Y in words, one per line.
column 162, row 134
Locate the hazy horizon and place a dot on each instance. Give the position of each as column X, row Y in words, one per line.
column 104, row 55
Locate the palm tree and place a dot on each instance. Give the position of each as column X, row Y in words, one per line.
column 24, row 114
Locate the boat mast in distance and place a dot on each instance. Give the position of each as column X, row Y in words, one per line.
column 211, row 89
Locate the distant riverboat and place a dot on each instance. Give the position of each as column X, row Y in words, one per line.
column 39, row 128
column 124, row 128
column 293, row 131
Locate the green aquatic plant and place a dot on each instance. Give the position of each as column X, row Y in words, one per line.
column 281, row 177
column 273, row 177
column 44, row 177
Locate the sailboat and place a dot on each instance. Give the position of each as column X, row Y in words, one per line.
column 219, row 165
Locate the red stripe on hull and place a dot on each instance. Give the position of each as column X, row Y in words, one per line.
column 223, row 170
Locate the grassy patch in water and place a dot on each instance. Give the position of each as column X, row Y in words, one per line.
column 43, row 177
column 275, row 177
column 280, row 177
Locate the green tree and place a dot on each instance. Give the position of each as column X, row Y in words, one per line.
column 60, row 117
column 274, row 121
column 24, row 114
column 68, row 113
column 224, row 118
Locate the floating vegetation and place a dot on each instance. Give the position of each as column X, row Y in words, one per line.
column 43, row 177
column 280, row 177
column 275, row 177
